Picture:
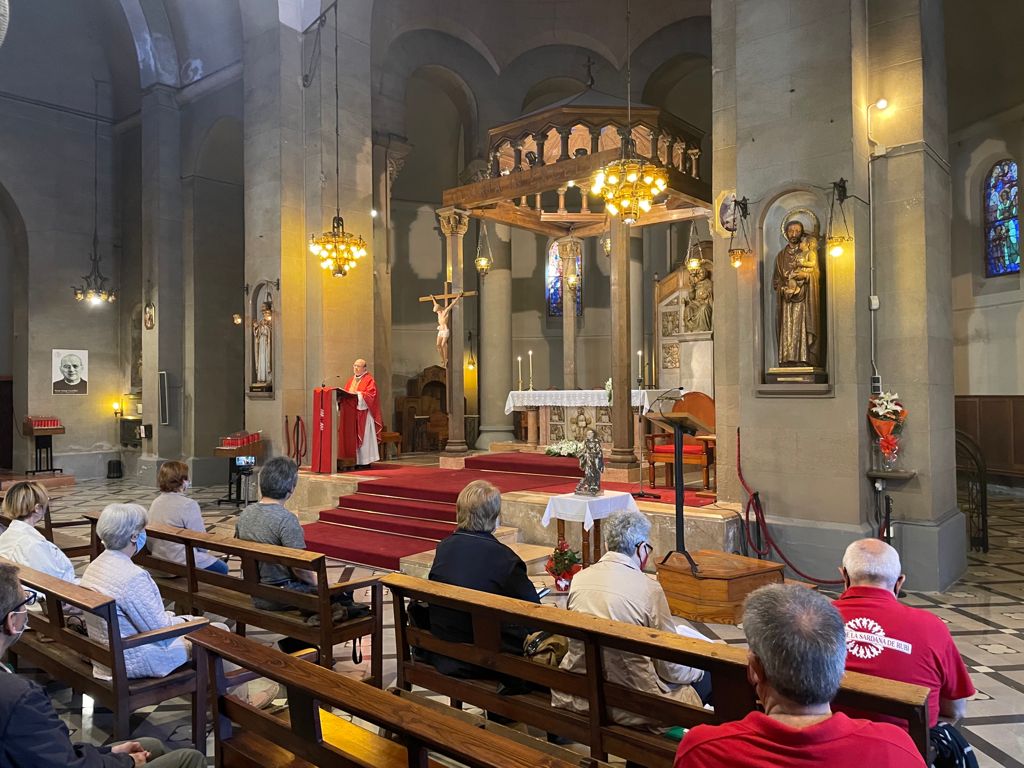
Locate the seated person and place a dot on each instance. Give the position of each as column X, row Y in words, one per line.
column 269, row 522
column 172, row 507
column 33, row 734
column 795, row 663
column 889, row 639
column 616, row 587
column 24, row 507
column 472, row 558
column 122, row 529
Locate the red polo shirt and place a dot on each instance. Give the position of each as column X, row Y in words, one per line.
column 888, row 639
column 758, row 741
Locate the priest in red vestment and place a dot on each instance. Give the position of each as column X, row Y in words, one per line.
column 363, row 385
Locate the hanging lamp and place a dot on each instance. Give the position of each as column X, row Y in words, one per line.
column 94, row 285
column 338, row 250
column 630, row 184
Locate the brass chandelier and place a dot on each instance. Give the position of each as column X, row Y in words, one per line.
column 339, row 251
column 629, row 184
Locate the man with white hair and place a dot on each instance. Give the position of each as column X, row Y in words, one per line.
column 616, row 587
column 888, row 639
column 368, row 416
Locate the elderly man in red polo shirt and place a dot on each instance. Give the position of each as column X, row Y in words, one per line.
column 888, row 639
column 795, row 663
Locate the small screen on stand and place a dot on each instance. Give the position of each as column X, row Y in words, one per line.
column 245, row 461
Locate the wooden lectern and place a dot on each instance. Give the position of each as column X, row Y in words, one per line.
column 705, row 586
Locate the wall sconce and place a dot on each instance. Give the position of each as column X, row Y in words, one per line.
column 837, row 243
column 483, row 261
column 881, row 105
column 118, row 410
column 736, row 255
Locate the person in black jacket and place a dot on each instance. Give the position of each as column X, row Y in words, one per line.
column 31, row 733
column 471, row 557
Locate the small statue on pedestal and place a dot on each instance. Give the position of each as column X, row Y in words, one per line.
column 592, row 464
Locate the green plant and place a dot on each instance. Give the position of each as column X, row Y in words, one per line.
column 563, row 558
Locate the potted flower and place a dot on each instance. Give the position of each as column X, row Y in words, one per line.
column 564, row 448
column 563, row 564
column 887, row 415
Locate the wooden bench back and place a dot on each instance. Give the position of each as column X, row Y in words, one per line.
column 303, row 734
column 51, row 622
column 733, row 696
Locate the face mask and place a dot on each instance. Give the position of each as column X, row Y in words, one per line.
column 140, row 542
column 185, row 485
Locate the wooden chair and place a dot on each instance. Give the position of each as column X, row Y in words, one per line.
column 310, row 734
column 727, row 664
column 68, row 657
column 698, row 450
column 389, row 438
column 437, row 430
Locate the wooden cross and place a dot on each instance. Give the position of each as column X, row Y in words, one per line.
column 447, row 294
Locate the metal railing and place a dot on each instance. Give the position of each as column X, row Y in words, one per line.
column 972, row 489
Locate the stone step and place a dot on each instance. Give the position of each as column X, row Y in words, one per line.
column 533, row 555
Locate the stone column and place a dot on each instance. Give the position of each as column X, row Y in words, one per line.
column 496, row 339
column 622, row 456
column 454, row 223
column 162, row 269
column 388, row 158
column 568, row 248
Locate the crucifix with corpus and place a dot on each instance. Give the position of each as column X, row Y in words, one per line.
column 443, row 310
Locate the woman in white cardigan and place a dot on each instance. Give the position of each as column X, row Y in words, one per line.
column 122, row 529
column 24, row 507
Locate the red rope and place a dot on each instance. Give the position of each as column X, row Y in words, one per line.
column 754, row 506
column 299, row 440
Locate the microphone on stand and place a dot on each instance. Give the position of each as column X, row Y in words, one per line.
column 642, row 494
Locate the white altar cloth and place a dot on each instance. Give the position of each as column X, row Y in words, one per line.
column 587, row 509
column 518, row 399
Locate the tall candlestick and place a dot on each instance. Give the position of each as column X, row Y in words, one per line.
column 530, row 353
column 519, row 359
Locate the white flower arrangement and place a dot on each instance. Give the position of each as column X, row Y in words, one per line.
column 608, row 389
column 885, row 406
column 564, row 448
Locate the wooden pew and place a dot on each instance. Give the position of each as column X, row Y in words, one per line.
column 67, row 656
column 195, row 590
column 734, row 698
column 310, row 735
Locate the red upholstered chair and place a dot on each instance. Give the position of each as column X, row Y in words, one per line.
column 700, row 452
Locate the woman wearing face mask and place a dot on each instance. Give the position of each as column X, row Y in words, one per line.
column 122, row 529
column 24, row 507
column 172, row 507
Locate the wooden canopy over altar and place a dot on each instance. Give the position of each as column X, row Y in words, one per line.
column 540, row 165
column 537, row 177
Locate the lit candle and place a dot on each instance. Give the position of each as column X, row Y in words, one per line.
column 530, row 353
column 519, row 359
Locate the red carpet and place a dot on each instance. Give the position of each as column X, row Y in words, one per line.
column 400, row 511
column 529, row 463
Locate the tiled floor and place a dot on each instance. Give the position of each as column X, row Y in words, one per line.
column 985, row 613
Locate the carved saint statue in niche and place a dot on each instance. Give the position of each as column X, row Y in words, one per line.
column 698, row 306
column 797, row 284
column 262, row 348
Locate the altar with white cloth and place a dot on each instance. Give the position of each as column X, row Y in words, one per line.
column 567, row 414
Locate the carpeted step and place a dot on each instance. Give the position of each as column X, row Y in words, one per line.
column 393, row 505
column 376, row 521
column 362, row 547
column 445, row 484
column 529, row 463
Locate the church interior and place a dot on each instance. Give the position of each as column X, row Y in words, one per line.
column 749, row 267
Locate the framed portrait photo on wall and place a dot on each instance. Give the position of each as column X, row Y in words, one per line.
column 70, row 371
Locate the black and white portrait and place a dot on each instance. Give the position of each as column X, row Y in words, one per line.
column 70, row 371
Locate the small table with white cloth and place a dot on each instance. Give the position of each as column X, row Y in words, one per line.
column 588, row 510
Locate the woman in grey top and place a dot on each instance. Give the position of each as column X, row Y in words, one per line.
column 173, row 508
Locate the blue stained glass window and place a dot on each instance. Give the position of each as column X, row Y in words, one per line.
column 553, row 283
column 1002, row 227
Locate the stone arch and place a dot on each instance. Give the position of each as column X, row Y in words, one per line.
column 547, row 62
column 154, row 41
column 550, row 90
column 688, row 37
column 448, row 27
column 462, row 96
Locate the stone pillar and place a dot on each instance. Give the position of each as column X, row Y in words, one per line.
column 388, row 158
column 162, row 269
column 496, row 339
column 568, row 249
column 454, row 223
column 622, row 456
column 807, row 453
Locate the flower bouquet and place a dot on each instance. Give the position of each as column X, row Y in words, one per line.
column 563, row 564
column 608, row 389
column 564, row 448
column 886, row 415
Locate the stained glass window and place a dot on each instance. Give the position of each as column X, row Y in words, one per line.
column 553, row 283
column 1002, row 227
